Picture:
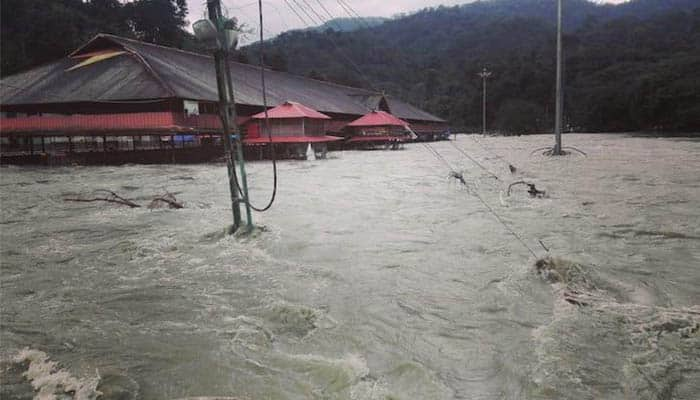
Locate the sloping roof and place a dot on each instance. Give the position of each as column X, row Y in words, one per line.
column 378, row 118
column 147, row 71
column 119, row 78
column 291, row 109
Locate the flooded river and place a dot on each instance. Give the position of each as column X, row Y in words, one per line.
column 376, row 276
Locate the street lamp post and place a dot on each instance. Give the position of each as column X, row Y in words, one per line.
column 557, row 151
column 484, row 74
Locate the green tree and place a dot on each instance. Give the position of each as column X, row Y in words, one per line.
column 158, row 21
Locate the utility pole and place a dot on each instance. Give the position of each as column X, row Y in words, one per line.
column 485, row 74
column 557, row 151
column 227, row 109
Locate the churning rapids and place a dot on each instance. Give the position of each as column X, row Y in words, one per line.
column 376, row 276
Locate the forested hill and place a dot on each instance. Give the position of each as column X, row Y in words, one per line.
column 627, row 67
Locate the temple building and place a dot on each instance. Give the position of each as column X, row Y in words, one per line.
column 121, row 100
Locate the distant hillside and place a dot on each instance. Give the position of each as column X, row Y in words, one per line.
column 350, row 24
column 630, row 66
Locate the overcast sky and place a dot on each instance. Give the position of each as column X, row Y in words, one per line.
column 279, row 16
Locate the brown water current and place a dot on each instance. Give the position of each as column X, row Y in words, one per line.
column 376, row 276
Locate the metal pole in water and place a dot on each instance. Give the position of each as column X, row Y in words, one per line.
column 214, row 9
column 239, row 140
column 559, row 109
column 485, row 74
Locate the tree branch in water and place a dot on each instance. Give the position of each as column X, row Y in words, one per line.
column 112, row 198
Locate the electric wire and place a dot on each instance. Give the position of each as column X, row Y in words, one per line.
column 345, row 9
column 492, row 152
column 484, row 203
column 273, row 155
column 268, row 4
column 320, row 17
column 354, row 65
column 325, row 10
column 303, row 21
column 478, row 164
column 308, row 15
column 234, row 175
column 353, row 13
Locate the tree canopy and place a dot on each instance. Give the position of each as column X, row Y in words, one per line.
column 38, row 31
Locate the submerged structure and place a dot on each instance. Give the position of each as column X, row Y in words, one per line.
column 121, row 100
column 292, row 124
column 379, row 128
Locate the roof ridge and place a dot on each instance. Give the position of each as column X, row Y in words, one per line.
column 140, row 59
column 117, row 37
column 194, row 53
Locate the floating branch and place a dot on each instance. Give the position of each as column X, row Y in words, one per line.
column 167, row 199
column 532, row 190
column 112, row 198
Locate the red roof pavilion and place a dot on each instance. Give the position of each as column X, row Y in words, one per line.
column 290, row 109
column 290, row 123
column 378, row 118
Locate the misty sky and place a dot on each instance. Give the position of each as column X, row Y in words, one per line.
column 279, row 16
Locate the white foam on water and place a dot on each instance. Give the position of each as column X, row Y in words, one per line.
column 310, row 153
column 50, row 381
column 634, row 348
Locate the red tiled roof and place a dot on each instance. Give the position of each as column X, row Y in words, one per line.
column 291, row 139
column 378, row 118
column 291, row 109
column 366, row 139
column 128, row 122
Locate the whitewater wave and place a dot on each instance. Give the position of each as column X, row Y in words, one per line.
column 602, row 344
column 51, row 382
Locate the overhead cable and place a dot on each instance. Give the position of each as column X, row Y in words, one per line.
column 483, row 202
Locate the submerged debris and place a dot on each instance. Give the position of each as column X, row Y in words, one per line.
column 532, row 189
column 112, row 198
column 459, row 177
column 168, row 199
column 165, row 200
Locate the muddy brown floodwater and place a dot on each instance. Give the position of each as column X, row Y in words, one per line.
column 376, row 276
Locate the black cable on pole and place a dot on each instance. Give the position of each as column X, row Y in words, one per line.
column 273, row 155
column 234, row 175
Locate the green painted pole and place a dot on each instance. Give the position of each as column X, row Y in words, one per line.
column 214, row 8
column 239, row 141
